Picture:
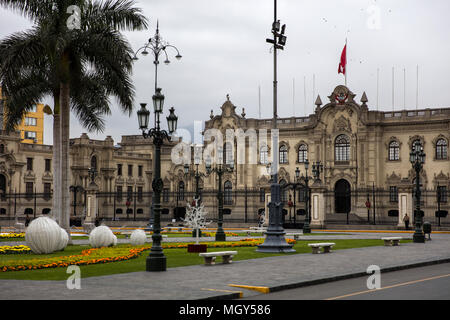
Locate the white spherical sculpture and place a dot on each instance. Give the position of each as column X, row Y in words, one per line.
column 64, row 240
column 138, row 237
column 102, row 237
column 43, row 235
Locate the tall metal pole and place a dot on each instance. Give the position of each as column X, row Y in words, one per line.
column 275, row 241
column 220, row 234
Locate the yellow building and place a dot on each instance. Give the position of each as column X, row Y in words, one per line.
column 32, row 126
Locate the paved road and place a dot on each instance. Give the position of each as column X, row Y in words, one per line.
column 424, row 283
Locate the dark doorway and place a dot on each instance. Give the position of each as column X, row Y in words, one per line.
column 342, row 196
column 179, row 213
column 2, row 186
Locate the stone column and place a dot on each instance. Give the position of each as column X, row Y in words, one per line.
column 317, row 205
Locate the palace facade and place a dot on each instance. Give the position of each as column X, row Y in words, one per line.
column 365, row 155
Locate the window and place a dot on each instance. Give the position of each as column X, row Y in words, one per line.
column 119, row 193
column 130, row 170
column 47, row 191
column 394, row 151
column 140, row 194
column 30, row 135
column 393, row 194
column 442, row 193
column 2, row 148
column 140, row 211
column 119, row 211
column 228, row 194
column 140, row 171
column 262, row 195
column 302, row 153
column 302, row 194
column 30, row 164
column 30, row 121
column 48, row 164
column 33, row 108
column 417, row 145
column 165, row 195
column 119, row 169
column 264, row 155
column 342, row 148
column 94, row 163
column 228, row 153
column 283, row 191
column 180, row 195
column 441, row 149
column 283, row 154
column 130, row 193
column 29, row 190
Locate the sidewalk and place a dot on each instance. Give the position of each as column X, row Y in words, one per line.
column 212, row 282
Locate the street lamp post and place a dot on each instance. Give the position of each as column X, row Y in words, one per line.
column 306, row 227
column 156, row 261
column 196, row 174
column 275, row 241
column 219, row 169
column 157, row 46
column 417, row 159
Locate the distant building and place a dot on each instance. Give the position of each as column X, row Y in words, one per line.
column 32, row 126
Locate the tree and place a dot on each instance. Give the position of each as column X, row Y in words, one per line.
column 196, row 217
column 94, row 50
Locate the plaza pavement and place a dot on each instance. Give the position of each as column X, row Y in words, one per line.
column 212, row 282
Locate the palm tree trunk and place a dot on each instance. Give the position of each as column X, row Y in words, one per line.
column 56, row 212
column 65, row 168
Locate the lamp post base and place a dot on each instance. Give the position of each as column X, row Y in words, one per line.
column 275, row 243
column 418, row 238
column 220, row 235
column 306, row 228
column 156, row 263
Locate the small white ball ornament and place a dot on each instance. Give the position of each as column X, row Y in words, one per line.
column 138, row 237
column 102, row 237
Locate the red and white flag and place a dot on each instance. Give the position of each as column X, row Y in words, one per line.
column 343, row 63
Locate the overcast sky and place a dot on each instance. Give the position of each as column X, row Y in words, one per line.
column 224, row 52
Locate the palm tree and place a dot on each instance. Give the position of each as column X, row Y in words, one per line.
column 95, row 51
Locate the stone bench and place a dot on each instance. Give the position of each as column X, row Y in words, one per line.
column 210, row 257
column 316, row 247
column 249, row 232
column 391, row 241
column 295, row 235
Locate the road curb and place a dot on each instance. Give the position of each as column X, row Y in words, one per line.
column 335, row 278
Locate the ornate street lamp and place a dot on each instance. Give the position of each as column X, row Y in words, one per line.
column 219, row 169
column 156, row 261
column 417, row 159
column 317, row 169
column 157, row 46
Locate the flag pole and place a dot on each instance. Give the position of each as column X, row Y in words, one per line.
column 346, row 63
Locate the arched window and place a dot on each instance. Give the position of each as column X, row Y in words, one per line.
column 342, row 148
column 302, row 153
column 2, row 148
column 417, row 145
column 283, row 154
column 228, row 196
column 441, row 149
column 264, row 155
column 94, row 163
column 394, row 151
column 180, row 194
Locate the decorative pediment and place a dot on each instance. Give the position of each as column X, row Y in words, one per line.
column 442, row 177
column 341, row 95
column 228, row 108
column 342, row 124
column 393, row 178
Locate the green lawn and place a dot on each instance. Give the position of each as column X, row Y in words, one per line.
column 175, row 258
